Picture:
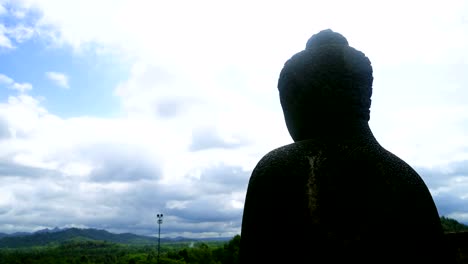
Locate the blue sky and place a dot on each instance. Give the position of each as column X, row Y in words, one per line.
column 92, row 76
column 114, row 111
column 91, row 79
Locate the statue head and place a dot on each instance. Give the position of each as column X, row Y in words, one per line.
column 326, row 84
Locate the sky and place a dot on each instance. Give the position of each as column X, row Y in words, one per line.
column 114, row 111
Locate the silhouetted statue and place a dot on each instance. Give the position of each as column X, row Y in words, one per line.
column 335, row 195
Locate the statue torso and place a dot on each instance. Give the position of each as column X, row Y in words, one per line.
column 347, row 195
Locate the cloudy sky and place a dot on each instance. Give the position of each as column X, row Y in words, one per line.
column 112, row 111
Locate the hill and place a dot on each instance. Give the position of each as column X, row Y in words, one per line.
column 56, row 236
column 452, row 225
column 51, row 237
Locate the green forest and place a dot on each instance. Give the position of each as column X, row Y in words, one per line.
column 90, row 252
column 452, row 225
column 130, row 249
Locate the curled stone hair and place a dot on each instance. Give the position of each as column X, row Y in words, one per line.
column 329, row 79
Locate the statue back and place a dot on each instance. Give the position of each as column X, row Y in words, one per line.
column 335, row 195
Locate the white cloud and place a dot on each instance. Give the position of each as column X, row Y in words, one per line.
column 22, row 87
column 20, row 33
column 11, row 84
column 205, row 76
column 5, row 42
column 230, row 31
column 19, row 14
column 5, row 79
column 59, row 79
column 111, row 172
column 2, row 9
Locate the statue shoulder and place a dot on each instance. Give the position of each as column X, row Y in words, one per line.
column 279, row 157
column 283, row 162
column 386, row 158
column 389, row 165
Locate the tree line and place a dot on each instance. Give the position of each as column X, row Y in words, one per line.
column 95, row 251
column 102, row 252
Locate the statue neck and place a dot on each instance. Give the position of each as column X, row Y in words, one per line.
column 335, row 131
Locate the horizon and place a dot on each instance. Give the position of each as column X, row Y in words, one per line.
column 58, row 229
column 149, row 107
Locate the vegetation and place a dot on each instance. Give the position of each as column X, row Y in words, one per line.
column 46, row 238
column 452, row 225
column 90, row 252
column 77, row 246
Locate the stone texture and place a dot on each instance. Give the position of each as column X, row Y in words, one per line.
column 335, row 195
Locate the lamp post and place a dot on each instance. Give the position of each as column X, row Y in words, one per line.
column 160, row 217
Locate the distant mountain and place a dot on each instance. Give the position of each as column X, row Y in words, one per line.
column 205, row 239
column 215, row 239
column 14, row 234
column 47, row 230
column 57, row 236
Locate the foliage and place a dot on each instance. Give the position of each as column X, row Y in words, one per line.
column 452, row 225
column 83, row 249
column 90, row 252
column 44, row 239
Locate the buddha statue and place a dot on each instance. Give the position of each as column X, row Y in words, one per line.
column 335, row 195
